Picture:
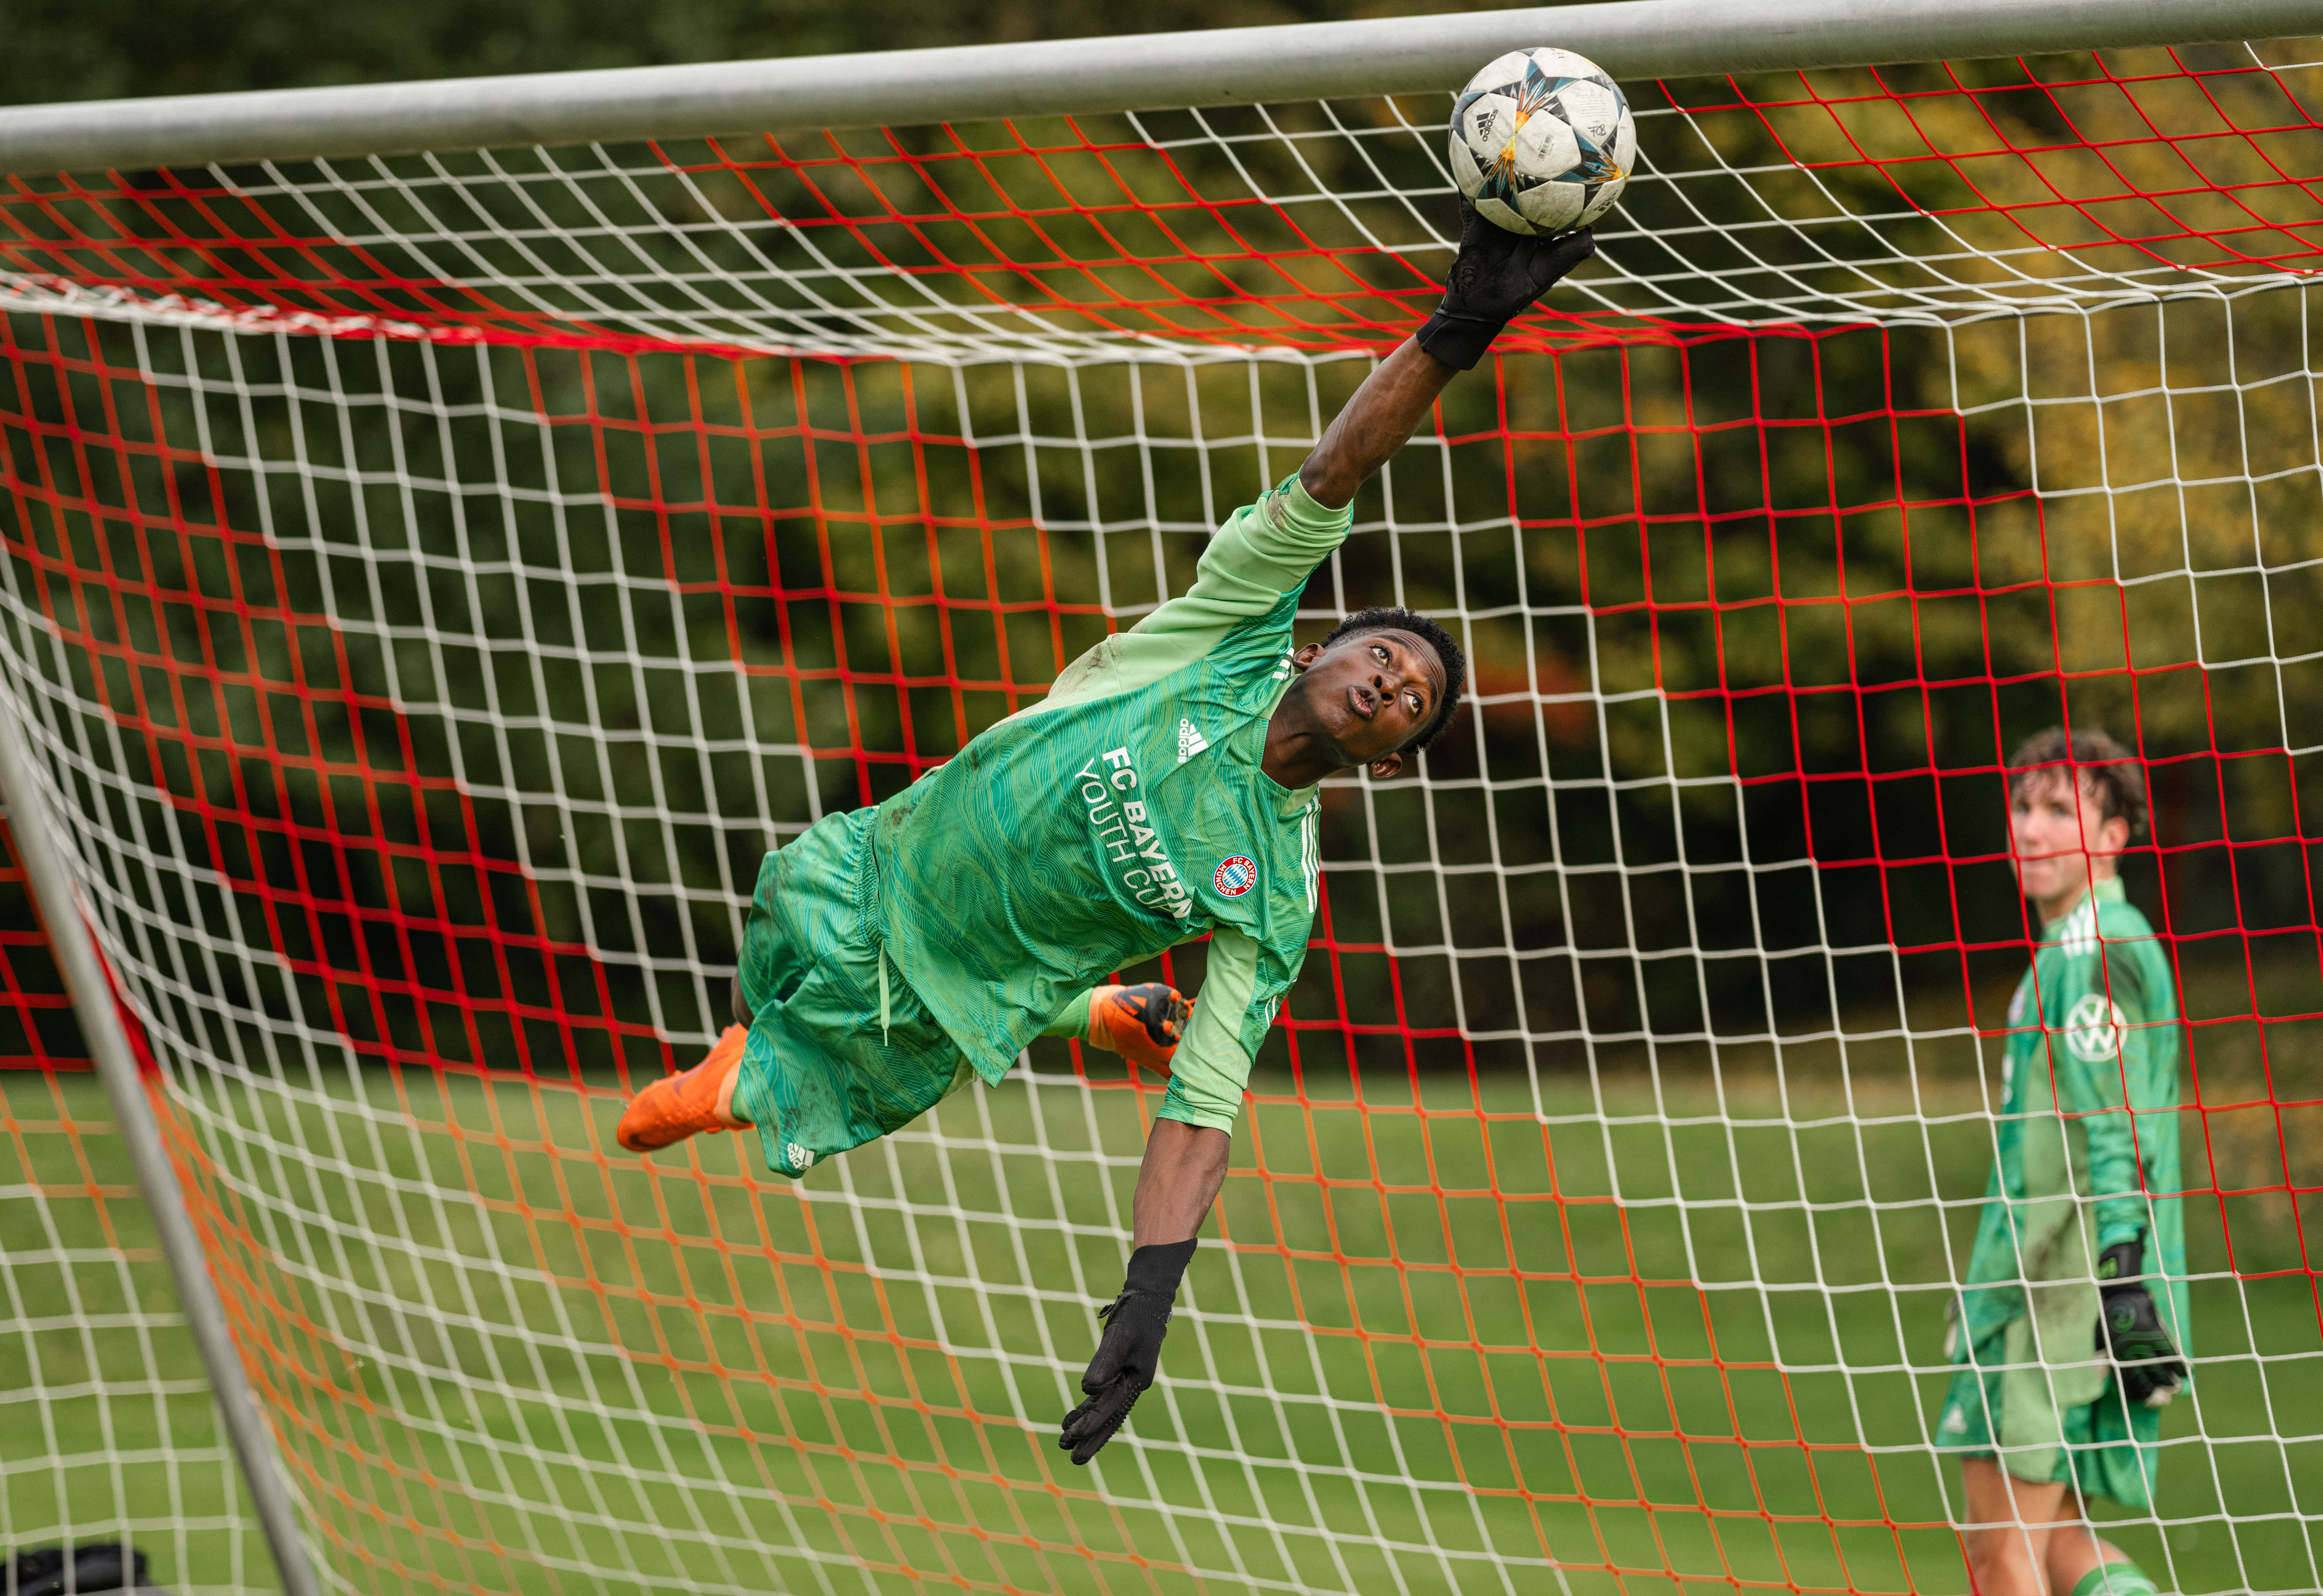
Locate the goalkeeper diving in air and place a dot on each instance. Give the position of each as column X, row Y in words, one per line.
column 2071, row 1332
column 1164, row 789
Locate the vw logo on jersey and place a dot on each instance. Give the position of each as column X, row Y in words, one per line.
column 2094, row 1028
column 1234, row 876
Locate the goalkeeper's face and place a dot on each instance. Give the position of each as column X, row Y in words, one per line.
column 2061, row 839
column 1365, row 697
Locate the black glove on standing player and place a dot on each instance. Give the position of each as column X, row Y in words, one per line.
column 1131, row 1351
column 1494, row 278
column 90, row 1568
column 2145, row 1361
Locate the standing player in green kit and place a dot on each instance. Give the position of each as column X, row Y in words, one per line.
column 2072, row 1323
column 1164, row 789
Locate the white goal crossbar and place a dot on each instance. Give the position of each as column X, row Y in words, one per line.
column 1631, row 38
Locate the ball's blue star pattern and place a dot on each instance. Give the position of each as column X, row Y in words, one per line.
column 1535, row 92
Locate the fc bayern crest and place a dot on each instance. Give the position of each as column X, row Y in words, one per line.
column 1234, row 876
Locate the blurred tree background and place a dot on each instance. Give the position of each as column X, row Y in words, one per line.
column 1863, row 666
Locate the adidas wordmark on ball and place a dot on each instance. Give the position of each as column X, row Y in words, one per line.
column 1542, row 141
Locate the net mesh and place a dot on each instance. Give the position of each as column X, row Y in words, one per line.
column 434, row 581
column 108, row 1432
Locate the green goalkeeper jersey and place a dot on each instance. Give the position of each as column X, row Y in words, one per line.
column 1126, row 812
column 2087, row 1141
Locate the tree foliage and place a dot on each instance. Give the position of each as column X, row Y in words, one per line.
column 1851, row 564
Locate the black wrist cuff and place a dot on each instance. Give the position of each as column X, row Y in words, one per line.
column 1158, row 1268
column 2121, row 1264
column 1458, row 341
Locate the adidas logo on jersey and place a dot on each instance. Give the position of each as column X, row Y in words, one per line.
column 1190, row 741
column 2078, row 937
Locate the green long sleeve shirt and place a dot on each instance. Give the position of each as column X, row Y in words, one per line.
column 1124, row 814
column 2087, row 1141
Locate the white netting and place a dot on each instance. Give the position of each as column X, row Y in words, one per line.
column 434, row 581
column 1926, row 192
column 108, row 1432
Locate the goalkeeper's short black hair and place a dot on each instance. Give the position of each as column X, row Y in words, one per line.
column 2092, row 756
column 1447, row 655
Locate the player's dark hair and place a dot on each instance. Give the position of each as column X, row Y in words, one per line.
column 2113, row 775
column 1447, row 655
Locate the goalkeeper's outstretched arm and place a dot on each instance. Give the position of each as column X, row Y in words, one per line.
column 1377, row 421
column 1494, row 278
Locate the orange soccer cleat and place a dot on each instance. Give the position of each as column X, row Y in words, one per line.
column 1142, row 1023
column 686, row 1104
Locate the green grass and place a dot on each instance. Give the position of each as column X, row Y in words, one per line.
column 106, row 1427
column 610, row 1375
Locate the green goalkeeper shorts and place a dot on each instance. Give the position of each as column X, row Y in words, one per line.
column 2100, row 1448
column 841, row 1050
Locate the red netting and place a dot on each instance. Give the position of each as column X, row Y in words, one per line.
column 36, row 1029
column 1901, row 188
column 421, row 699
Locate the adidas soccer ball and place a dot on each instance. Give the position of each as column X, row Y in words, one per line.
column 1542, row 141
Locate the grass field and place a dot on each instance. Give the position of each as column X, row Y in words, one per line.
column 1453, row 1340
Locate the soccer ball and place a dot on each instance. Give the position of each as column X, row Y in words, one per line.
column 1542, row 141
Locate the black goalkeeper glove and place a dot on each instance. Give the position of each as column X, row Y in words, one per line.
column 97, row 1567
column 1131, row 1351
column 1494, row 278
column 2145, row 1359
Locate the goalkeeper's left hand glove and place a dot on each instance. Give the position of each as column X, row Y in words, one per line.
column 1131, row 1351
column 1144, row 1023
column 1494, row 278
column 2145, row 1359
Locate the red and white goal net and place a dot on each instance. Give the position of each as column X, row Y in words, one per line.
column 433, row 581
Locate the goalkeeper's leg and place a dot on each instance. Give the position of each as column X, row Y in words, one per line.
column 2006, row 1538
column 1142, row 1023
column 2081, row 1563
